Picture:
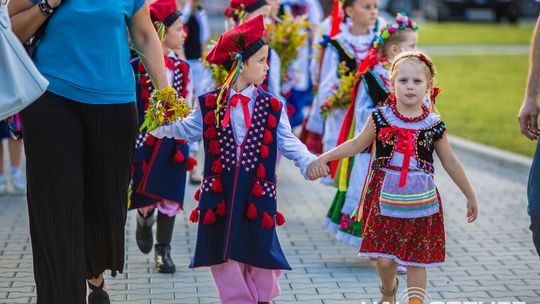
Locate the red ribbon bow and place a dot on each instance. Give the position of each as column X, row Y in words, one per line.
column 233, row 103
column 434, row 94
column 404, row 144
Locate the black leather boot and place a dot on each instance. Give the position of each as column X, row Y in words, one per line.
column 143, row 234
column 162, row 250
column 162, row 256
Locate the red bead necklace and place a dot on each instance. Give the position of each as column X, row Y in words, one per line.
column 423, row 116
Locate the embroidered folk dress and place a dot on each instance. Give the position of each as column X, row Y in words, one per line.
column 237, row 198
column 414, row 241
column 345, row 47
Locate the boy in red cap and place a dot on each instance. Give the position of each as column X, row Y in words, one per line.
column 159, row 171
column 242, row 127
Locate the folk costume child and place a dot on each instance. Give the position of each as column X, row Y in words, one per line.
column 402, row 212
column 297, row 85
column 159, row 170
column 241, row 11
column 313, row 125
column 243, row 127
column 342, row 57
column 197, row 28
column 371, row 90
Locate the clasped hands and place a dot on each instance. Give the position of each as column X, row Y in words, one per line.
column 318, row 168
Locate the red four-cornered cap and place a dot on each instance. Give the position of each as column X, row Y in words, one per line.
column 236, row 40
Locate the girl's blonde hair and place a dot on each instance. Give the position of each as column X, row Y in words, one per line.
column 398, row 36
column 420, row 59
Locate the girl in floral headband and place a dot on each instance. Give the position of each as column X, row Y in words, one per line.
column 402, row 212
column 341, row 58
column 370, row 91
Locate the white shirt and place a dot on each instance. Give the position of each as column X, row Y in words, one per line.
column 191, row 129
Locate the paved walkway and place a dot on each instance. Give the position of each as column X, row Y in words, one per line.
column 490, row 260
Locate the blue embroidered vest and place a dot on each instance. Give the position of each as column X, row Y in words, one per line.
column 237, row 198
column 159, row 169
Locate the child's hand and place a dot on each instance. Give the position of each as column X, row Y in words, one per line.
column 317, row 169
column 472, row 210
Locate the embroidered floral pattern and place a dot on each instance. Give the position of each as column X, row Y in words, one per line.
column 419, row 240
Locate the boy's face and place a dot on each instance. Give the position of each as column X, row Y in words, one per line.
column 364, row 12
column 175, row 36
column 254, row 70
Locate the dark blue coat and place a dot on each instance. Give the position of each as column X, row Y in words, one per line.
column 237, row 201
column 159, row 169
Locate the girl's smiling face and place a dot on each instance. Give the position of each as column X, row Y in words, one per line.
column 411, row 84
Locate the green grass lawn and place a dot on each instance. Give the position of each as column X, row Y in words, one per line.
column 475, row 33
column 481, row 97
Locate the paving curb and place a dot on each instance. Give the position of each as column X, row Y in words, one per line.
column 494, row 155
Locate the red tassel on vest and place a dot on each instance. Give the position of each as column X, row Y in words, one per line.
column 264, row 151
column 210, row 118
column 272, row 122
column 191, row 163
column 221, row 209
column 217, row 186
column 275, row 104
column 268, row 137
column 197, row 194
column 210, row 132
column 267, row 222
column 209, row 217
column 216, row 166
column 179, row 157
column 210, row 101
column 213, row 147
column 150, row 140
column 252, row 212
column 261, row 171
column 280, row 218
column 194, row 216
column 257, row 190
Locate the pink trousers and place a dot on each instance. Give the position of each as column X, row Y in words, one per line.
column 239, row 283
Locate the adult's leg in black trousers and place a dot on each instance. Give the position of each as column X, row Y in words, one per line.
column 53, row 140
column 109, row 146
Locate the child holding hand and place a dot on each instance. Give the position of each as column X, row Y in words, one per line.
column 242, row 127
column 402, row 209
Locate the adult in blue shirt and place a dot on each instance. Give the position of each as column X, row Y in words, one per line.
column 80, row 136
column 528, row 122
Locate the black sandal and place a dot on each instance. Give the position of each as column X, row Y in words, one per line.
column 98, row 295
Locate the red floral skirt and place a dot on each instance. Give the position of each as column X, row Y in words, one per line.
column 410, row 242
